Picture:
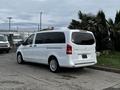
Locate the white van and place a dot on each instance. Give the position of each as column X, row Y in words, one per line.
column 4, row 44
column 59, row 48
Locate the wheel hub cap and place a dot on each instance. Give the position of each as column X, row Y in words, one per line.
column 53, row 65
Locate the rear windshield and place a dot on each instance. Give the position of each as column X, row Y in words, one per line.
column 82, row 38
column 2, row 38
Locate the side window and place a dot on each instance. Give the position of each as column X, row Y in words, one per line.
column 50, row 37
column 39, row 38
column 30, row 39
column 57, row 37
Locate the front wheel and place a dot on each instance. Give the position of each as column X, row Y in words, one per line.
column 53, row 65
column 19, row 59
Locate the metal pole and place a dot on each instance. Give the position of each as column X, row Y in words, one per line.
column 38, row 27
column 17, row 28
column 9, row 18
column 40, row 21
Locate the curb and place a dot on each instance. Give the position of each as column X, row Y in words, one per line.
column 103, row 68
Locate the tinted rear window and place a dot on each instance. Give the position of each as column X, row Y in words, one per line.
column 50, row 37
column 82, row 38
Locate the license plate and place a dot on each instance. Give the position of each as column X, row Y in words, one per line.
column 84, row 56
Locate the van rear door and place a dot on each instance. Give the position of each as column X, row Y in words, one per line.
column 83, row 45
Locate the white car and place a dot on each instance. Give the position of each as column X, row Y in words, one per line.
column 4, row 44
column 59, row 48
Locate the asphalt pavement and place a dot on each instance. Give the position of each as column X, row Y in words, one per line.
column 32, row 76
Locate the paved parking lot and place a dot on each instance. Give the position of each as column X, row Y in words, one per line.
column 37, row 77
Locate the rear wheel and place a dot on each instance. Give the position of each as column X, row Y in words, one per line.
column 20, row 59
column 7, row 51
column 53, row 65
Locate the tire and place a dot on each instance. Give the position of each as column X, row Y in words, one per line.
column 7, row 51
column 20, row 59
column 53, row 65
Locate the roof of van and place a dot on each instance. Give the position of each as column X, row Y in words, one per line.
column 65, row 30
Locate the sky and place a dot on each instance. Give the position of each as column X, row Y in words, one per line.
column 55, row 13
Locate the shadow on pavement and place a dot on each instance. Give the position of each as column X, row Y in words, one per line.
column 62, row 70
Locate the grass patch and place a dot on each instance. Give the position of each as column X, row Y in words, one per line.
column 111, row 60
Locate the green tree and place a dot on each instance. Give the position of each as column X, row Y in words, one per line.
column 106, row 43
column 101, row 18
column 116, row 29
column 117, row 18
column 74, row 24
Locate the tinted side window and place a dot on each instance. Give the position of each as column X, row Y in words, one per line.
column 82, row 38
column 30, row 39
column 39, row 38
column 50, row 37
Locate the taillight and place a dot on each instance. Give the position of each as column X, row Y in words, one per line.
column 69, row 49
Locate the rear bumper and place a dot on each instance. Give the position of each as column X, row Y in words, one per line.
column 71, row 64
column 84, row 64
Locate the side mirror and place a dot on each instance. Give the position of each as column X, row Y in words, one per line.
column 24, row 43
column 19, row 43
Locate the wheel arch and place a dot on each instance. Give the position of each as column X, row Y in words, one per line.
column 52, row 56
column 19, row 53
